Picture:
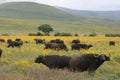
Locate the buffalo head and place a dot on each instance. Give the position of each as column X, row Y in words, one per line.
column 102, row 57
column 39, row 59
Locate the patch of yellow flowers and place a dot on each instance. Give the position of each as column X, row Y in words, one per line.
column 22, row 63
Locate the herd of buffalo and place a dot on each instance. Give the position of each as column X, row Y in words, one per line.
column 82, row 62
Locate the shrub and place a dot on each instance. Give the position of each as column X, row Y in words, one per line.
column 39, row 34
column 112, row 35
column 35, row 34
column 76, row 35
column 62, row 34
column 32, row 34
column 93, row 34
column 5, row 34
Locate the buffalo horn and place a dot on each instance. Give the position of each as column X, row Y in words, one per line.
column 96, row 56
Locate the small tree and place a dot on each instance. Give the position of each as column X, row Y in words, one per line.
column 93, row 34
column 45, row 28
column 76, row 35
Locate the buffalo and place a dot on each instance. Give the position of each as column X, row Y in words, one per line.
column 9, row 41
column 39, row 41
column 112, row 43
column 58, row 41
column 55, row 45
column 87, row 62
column 75, row 46
column 2, row 40
column 18, row 39
column 54, row 61
column 76, row 41
column 15, row 44
column 0, row 52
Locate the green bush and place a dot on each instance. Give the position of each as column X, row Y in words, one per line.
column 32, row 34
column 5, row 34
column 39, row 34
column 112, row 35
column 93, row 34
column 62, row 34
column 35, row 34
column 76, row 35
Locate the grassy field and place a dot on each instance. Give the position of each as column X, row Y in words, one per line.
column 18, row 63
column 24, row 27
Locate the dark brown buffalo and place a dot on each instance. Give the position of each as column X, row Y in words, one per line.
column 112, row 43
column 2, row 40
column 15, row 44
column 75, row 46
column 75, row 41
column 54, row 61
column 0, row 52
column 39, row 41
column 18, row 39
column 56, row 46
column 58, row 41
column 9, row 41
column 62, row 46
column 87, row 62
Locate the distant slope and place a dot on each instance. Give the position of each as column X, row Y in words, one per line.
column 99, row 14
column 24, row 27
column 21, row 18
column 30, row 10
column 35, row 11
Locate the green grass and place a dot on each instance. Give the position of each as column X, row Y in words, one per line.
column 23, row 27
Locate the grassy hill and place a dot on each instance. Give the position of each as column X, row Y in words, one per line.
column 31, row 10
column 99, row 14
column 21, row 18
column 23, row 27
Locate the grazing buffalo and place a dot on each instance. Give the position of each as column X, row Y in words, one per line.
column 2, row 40
column 87, row 62
column 75, row 41
column 18, row 39
column 15, row 44
column 75, row 46
column 112, row 43
column 62, row 46
column 39, row 41
column 58, row 41
column 54, row 61
column 56, row 46
column 0, row 52
column 9, row 41
column 48, row 45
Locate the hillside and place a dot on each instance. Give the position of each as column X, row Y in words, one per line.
column 99, row 14
column 17, row 17
column 30, row 10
